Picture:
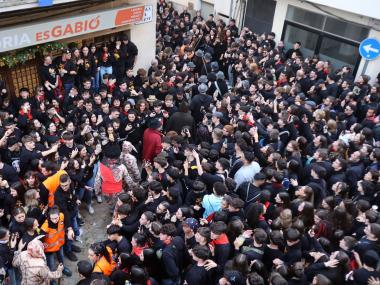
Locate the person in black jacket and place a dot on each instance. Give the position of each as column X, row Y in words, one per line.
column 197, row 273
column 200, row 103
column 68, row 203
column 6, row 251
column 220, row 244
column 170, row 255
column 251, row 192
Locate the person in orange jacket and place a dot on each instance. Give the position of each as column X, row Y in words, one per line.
column 53, row 230
column 101, row 256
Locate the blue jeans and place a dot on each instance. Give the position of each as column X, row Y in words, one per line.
column 104, row 70
column 230, row 75
column 14, row 276
column 50, row 260
column 95, row 82
column 85, row 195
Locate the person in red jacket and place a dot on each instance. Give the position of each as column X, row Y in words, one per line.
column 152, row 141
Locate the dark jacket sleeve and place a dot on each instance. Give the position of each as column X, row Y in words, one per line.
column 169, row 260
column 60, row 201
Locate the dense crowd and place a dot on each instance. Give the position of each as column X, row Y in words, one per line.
column 230, row 161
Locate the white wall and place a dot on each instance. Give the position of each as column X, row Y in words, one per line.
column 369, row 8
column 223, row 7
column 144, row 37
column 373, row 67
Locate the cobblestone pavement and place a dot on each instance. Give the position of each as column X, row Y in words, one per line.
column 93, row 231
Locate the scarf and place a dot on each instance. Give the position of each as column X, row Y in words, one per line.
column 128, row 147
column 137, row 250
column 28, row 115
column 221, row 240
column 36, row 249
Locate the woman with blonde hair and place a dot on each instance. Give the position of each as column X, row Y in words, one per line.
column 286, row 219
column 32, row 205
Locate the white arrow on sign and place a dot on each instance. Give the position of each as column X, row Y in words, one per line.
column 369, row 48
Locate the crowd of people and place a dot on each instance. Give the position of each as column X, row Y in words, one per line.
column 230, row 161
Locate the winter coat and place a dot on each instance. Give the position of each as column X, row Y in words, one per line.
column 152, row 144
column 199, row 106
column 179, row 120
column 34, row 270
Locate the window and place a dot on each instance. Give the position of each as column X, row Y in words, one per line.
column 338, row 53
column 330, row 38
column 326, row 23
column 305, row 17
column 25, row 75
column 345, row 29
column 308, row 40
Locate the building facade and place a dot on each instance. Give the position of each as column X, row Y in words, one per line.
column 26, row 25
column 332, row 30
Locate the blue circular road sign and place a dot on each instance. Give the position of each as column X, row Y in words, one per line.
column 369, row 48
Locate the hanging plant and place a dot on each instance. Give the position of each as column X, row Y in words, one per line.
column 21, row 56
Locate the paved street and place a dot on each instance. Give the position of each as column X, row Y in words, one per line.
column 93, row 230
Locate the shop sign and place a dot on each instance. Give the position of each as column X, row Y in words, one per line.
column 43, row 32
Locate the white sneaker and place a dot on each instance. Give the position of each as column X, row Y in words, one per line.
column 90, row 209
column 99, row 199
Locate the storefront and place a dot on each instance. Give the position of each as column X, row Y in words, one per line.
column 96, row 24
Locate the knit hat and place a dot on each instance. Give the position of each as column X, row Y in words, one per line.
column 192, row 223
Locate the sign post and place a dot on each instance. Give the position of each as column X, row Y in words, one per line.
column 369, row 49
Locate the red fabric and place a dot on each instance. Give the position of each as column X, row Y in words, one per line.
column 109, row 185
column 136, row 250
column 28, row 115
column 223, row 239
column 152, row 144
column 210, row 217
column 353, row 264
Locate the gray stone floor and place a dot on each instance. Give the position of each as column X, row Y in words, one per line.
column 94, row 230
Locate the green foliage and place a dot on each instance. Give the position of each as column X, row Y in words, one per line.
column 21, row 56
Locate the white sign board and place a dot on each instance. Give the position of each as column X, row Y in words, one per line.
column 43, row 32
